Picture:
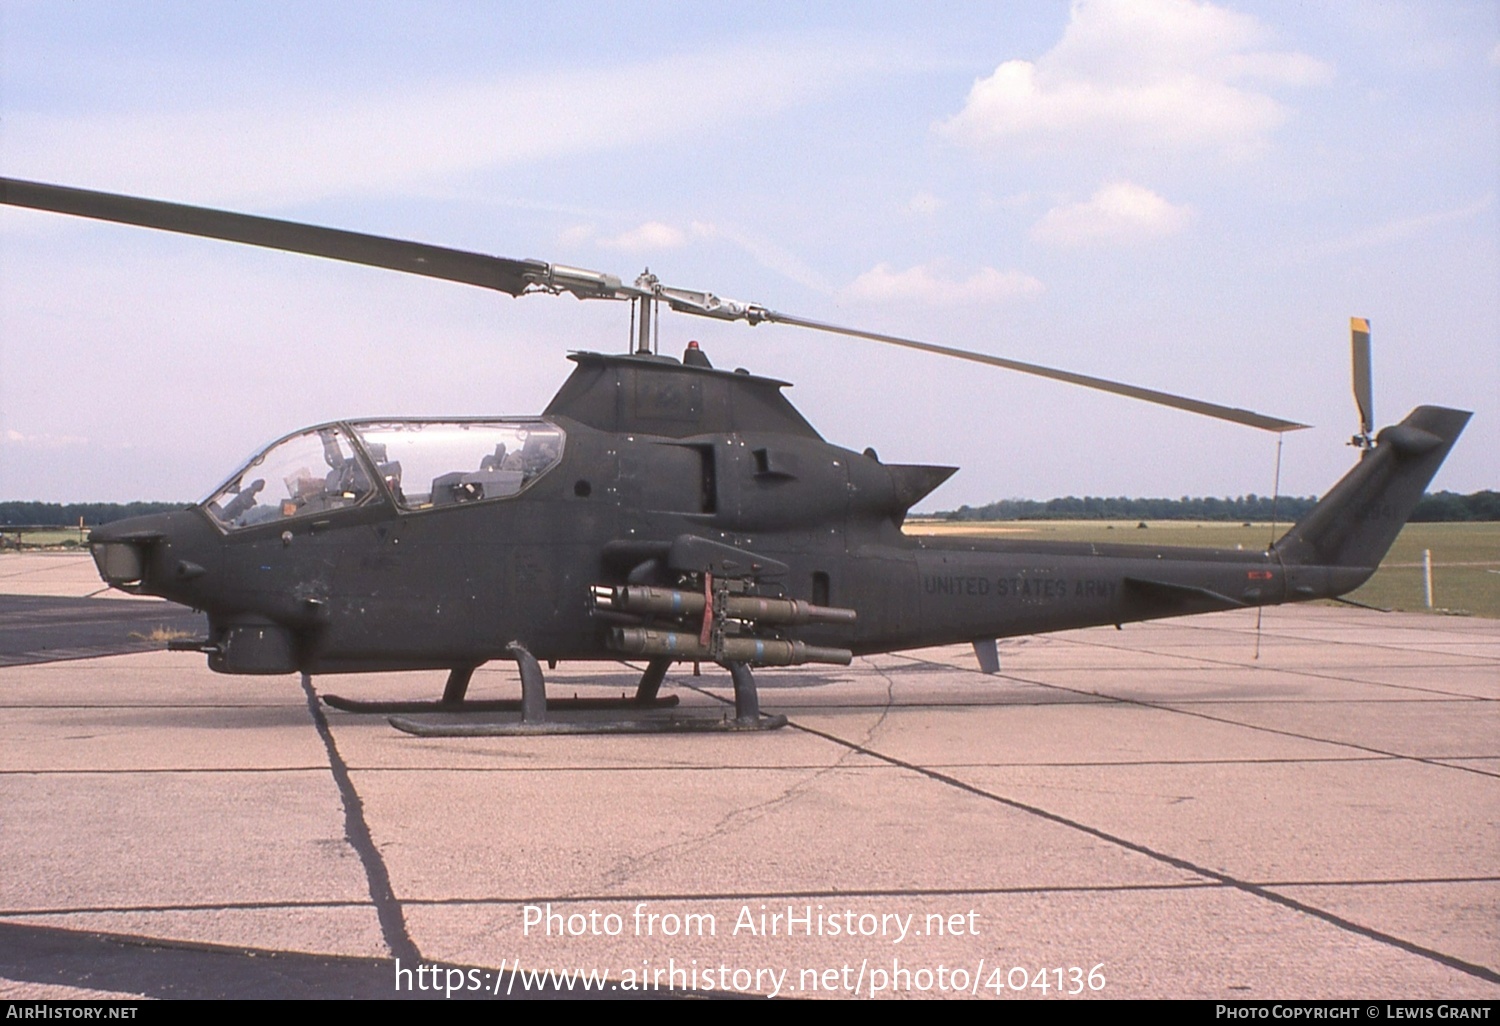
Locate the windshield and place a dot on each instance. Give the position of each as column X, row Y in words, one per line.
column 313, row 472
column 440, row 463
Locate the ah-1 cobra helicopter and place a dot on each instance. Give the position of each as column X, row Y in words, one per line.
column 662, row 510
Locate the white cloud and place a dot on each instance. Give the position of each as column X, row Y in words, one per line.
column 1288, row 69
column 1018, row 201
column 42, row 441
column 647, row 237
column 1401, row 228
column 927, row 285
column 766, row 253
column 924, row 203
column 654, row 236
column 1117, row 213
column 291, row 147
column 1151, row 73
column 576, row 235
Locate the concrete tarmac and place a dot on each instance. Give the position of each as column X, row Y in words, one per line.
column 1157, row 812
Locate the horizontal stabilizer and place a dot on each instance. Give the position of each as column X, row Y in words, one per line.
column 1182, row 594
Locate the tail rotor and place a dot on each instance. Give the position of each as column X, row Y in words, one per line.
column 1364, row 394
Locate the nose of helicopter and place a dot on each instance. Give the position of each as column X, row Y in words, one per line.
column 156, row 554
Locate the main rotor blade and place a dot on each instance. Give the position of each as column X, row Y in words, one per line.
column 519, row 276
column 1150, row 395
column 499, row 273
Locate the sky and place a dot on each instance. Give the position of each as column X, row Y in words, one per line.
column 1187, row 196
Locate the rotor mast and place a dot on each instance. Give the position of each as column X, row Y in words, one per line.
column 646, row 289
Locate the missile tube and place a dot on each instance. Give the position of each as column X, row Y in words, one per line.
column 646, row 601
column 757, row 651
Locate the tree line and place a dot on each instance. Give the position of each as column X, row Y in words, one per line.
column 1435, row 507
column 66, row 514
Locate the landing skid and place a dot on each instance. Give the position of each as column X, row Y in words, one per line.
column 535, row 709
column 674, row 725
column 355, row 705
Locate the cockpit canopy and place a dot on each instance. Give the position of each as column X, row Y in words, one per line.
column 420, row 464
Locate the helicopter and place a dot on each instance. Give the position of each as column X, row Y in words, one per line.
column 661, row 510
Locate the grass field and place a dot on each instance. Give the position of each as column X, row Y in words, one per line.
column 1465, row 556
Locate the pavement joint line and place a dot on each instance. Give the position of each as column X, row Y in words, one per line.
column 1480, row 662
column 1098, row 698
column 1244, row 886
column 1297, row 633
column 940, row 892
column 1224, row 879
column 1105, row 764
column 854, row 727
column 68, row 656
column 62, row 565
column 1380, row 881
column 1331, row 701
column 357, row 832
column 1208, row 666
column 888, row 892
column 158, row 770
column 898, row 892
column 202, row 906
column 1335, row 613
column 155, row 705
column 1428, row 760
column 752, row 767
column 625, row 868
column 1425, row 760
column 1220, row 665
column 811, row 767
column 1434, row 760
column 130, row 964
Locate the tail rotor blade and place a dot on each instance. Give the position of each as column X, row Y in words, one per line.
column 1364, row 393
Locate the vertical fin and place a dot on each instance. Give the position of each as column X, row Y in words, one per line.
column 1356, row 522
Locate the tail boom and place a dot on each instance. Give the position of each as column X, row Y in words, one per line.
column 967, row 589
